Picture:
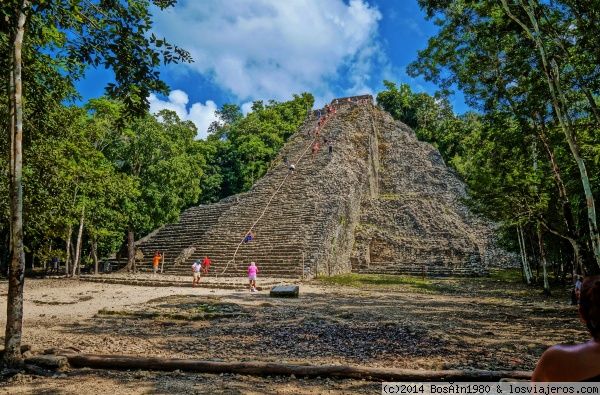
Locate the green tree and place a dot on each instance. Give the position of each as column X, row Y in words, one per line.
column 530, row 60
column 113, row 34
column 398, row 102
column 161, row 156
column 246, row 145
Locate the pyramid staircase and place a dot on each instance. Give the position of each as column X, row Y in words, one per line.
column 281, row 210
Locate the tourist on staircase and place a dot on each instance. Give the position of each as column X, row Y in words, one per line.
column 249, row 237
column 155, row 261
column 205, row 265
column 252, row 272
column 196, row 268
column 330, row 146
column 315, row 149
column 292, row 168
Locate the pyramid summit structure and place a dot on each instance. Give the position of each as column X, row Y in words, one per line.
column 382, row 202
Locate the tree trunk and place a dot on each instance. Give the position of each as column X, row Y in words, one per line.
column 78, row 247
column 525, row 262
column 270, row 368
column 72, row 254
column 587, row 189
column 95, row 254
column 572, row 235
column 577, row 248
column 543, row 261
column 131, row 251
column 16, row 272
column 68, row 258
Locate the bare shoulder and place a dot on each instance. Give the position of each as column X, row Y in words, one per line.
column 565, row 363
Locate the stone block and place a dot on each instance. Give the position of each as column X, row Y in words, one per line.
column 283, row 291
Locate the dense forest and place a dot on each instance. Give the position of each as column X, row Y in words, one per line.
column 529, row 152
column 91, row 178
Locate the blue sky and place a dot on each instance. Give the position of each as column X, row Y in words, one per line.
column 270, row 49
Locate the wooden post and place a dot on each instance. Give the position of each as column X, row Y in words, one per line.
column 162, row 264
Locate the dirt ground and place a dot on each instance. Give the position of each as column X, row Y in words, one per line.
column 437, row 324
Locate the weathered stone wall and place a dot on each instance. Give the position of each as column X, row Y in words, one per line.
column 417, row 219
column 384, row 202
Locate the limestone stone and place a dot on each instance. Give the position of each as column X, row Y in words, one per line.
column 285, row 291
column 383, row 202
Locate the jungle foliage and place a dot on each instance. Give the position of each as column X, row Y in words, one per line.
column 529, row 154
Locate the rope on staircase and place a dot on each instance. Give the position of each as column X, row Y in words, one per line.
column 272, row 196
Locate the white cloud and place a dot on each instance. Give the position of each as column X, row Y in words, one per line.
column 246, row 108
column 274, row 48
column 202, row 115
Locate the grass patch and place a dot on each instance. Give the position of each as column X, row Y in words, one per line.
column 360, row 280
column 503, row 275
column 446, row 286
column 207, row 308
column 450, row 285
column 115, row 313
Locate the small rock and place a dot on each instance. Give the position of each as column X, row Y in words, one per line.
column 142, row 374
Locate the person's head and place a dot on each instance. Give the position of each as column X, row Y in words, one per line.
column 589, row 305
column 197, row 260
column 252, row 264
column 155, row 253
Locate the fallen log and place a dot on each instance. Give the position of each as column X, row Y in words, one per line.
column 269, row 368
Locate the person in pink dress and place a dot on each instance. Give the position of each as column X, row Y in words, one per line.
column 252, row 272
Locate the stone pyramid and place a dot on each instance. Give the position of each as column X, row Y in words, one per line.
column 383, row 202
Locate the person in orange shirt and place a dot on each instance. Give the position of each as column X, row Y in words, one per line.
column 157, row 258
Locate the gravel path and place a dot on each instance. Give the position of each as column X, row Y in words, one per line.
column 451, row 324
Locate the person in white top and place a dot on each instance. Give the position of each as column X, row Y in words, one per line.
column 196, row 267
